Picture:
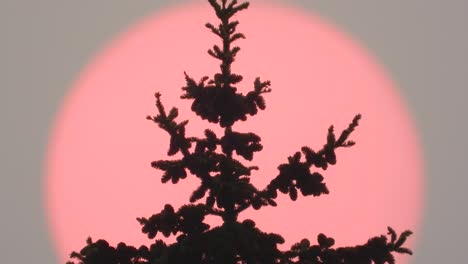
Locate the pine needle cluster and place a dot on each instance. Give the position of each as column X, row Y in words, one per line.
column 216, row 160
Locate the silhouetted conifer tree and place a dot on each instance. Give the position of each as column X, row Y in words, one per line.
column 225, row 181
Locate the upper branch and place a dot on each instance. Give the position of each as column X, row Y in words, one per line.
column 176, row 130
column 217, row 100
column 296, row 174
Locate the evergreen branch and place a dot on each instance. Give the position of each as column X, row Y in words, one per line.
column 176, row 130
column 218, row 101
column 296, row 175
column 341, row 142
column 195, row 162
column 377, row 250
column 187, row 220
column 215, row 30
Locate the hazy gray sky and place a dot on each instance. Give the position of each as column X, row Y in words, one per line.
column 44, row 45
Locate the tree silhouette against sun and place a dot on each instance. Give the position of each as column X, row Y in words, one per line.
column 225, row 181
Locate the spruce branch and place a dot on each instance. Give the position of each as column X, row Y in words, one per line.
column 218, row 100
column 178, row 141
column 296, row 176
column 377, row 250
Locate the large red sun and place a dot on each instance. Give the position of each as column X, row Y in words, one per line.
column 99, row 177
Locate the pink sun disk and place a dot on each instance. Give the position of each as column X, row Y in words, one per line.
column 99, row 177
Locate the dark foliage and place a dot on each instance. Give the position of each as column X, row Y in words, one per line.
column 225, row 181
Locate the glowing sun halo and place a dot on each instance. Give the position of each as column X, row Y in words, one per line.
column 98, row 174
